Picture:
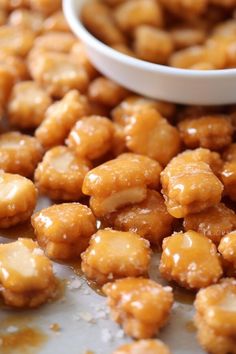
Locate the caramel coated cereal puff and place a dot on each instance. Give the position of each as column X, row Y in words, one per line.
column 148, row 133
column 120, row 182
column 114, row 254
column 26, row 19
column 134, row 13
column 91, row 137
column 141, row 306
column 185, row 36
column 210, row 132
column 6, row 84
column 183, row 8
column 119, row 141
column 189, row 187
column 216, row 306
column 18, row 198
column 60, row 118
column 214, row 222
column 47, row 7
column 61, row 173
column 57, row 73
column 191, row 260
column 228, row 177
column 79, row 55
column 102, row 25
column 122, row 113
column 227, row 248
column 16, row 40
column 15, row 64
column 107, row 92
column 55, row 41
column 56, row 22
column 26, row 275
column 153, row 44
column 149, row 218
column 19, row 153
column 230, row 153
column 148, row 346
column 27, row 105
column 64, row 230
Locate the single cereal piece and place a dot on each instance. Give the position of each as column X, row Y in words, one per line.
column 141, row 306
column 55, row 41
column 91, row 137
column 106, row 92
column 189, row 186
column 214, row 222
column 64, row 230
column 230, row 153
column 227, row 248
column 79, row 55
column 184, row 37
column 148, row 346
column 61, row 173
column 61, row 117
column 119, row 142
column 57, row 72
column 56, row 22
column 191, row 260
column 148, row 133
column 120, row 182
column 153, row 44
column 211, row 132
column 102, row 25
column 122, row 113
column 16, row 40
column 149, row 218
column 133, row 13
column 47, row 7
column 114, row 254
column 19, row 153
column 183, row 8
column 26, row 274
column 216, row 306
column 228, row 177
column 18, row 198
column 15, row 64
column 27, row 105
column 26, row 19
column 6, row 83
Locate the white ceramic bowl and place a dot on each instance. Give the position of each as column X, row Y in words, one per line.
column 214, row 87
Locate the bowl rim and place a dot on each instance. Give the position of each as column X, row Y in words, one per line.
column 73, row 19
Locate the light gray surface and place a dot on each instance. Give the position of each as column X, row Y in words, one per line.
column 85, row 324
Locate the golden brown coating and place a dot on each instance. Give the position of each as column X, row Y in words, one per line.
column 214, row 222
column 149, row 218
column 102, row 25
column 15, row 64
column 61, row 174
column 57, row 72
column 47, row 7
column 230, row 153
column 216, row 306
column 189, row 186
column 79, row 55
column 27, row 19
column 183, row 8
column 131, row 14
column 3, row 17
column 228, row 177
column 18, row 199
column 210, row 132
column 227, row 248
column 16, row 40
column 120, row 182
column 27, row 105
column 191, row 260
column 60, row 118
column 6, row 83
column 55, row 41
column 26, row 274
column 91, row 137
column 224, row 3
column 114, row 254
column 148, row 346
column 19, row 153
column 141, row 306
column 64, row 230
column 153, row 44
column 106, row 92
column 186, row 36
column 148, row 133
column 122, row 113
column 56, row 22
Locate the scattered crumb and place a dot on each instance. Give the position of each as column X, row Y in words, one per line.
column 74, row 284
column 55, row 327
column 106, row 335
column 120, row 334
